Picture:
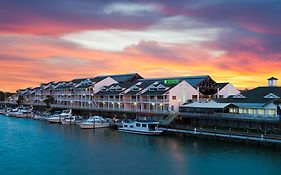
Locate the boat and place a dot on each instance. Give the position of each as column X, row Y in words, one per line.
column 24, row 113
column 54, row 119
column 95, row 122
column 13, row 112
column 57, row 118
column 41, row 116
column 145, row 127
column 20, row 112
column 71, row 119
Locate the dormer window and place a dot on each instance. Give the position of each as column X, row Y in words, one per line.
column 271, row 96
column 161, row 87
column 239, row 96
column 135, row 88
column 118, row 89
column 152, row 88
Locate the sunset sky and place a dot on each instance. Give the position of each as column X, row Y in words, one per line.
column 46, row 40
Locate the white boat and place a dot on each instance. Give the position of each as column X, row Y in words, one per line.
column 145, row 127
column 13, row 112
column 41, row 116
column 21, row 112
column 68, row 120
column 95, row 122
column 2, row 111
column 54, row 119
column 24, row 113
column 59, row 117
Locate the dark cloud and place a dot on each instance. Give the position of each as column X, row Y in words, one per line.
column 57, row 17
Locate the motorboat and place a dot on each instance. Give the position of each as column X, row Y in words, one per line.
column 20, row 112
column 13, row 112
column 54, row 119
column 57, row 118
column 71, row 119
column 41, row 116
column 145, row 127
column 95, row 122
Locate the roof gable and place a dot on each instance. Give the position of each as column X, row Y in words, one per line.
column 271, row 96
column 238, row 96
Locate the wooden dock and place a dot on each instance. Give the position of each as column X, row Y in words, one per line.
column 224, row 135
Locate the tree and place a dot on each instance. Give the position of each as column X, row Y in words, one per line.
column 49, row 100
column 4, row 95
column 20, row 100
column 277, row 102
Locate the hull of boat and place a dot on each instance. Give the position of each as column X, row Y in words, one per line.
column 11, row 114
column 104, row 125
column 54, row 120
column 22, row 115
column 37, row 117
column 140, row 132
column 86, row 126
column 93, row 126
column 69, row 122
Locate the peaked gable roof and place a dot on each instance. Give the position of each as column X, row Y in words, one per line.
column 255, row 95
column 121, row 78
column 222, row 85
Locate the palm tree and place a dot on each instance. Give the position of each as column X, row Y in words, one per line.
column 49, row 100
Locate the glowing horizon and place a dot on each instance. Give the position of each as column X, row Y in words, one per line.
column 55, row 41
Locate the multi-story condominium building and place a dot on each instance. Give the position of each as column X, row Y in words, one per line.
column 127, row 92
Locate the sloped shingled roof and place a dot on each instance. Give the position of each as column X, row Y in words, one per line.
column 255, row 95
column 221, row 85
column 121, row 78
column 192, row 80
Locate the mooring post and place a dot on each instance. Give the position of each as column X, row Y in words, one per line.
column 215, row 131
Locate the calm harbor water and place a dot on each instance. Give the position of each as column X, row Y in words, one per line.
column 36, row 147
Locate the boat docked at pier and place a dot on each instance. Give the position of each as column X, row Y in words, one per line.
column 71, row 119
column 2, row 111
column 95, row 122
column 57, row 118
column 21, row 112
column 145, row 127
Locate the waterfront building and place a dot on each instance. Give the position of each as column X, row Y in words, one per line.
column 128, row 92
column 257, row 102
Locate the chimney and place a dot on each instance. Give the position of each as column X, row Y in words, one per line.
column 272, row 82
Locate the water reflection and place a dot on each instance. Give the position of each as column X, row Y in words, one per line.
column 36, row 147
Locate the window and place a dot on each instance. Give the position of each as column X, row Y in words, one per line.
column 152, row 89
column 131, row 126
column 220, row 96
column 143, row 125
column 194, row 97
column 138, row 125
column 125, row 126
column 174, row 97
